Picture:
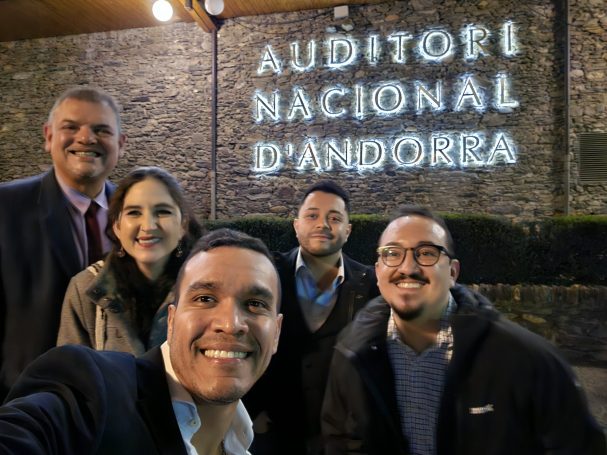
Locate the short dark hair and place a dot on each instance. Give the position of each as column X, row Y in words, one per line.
column 90, row 94
column 417, row 210
column 226, row 237
column 328, row 186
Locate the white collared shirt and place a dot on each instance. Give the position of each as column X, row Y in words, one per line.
column 238, row 437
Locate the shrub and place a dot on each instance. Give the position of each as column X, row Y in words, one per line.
column 569, row 250
column 564, row 250
column 490, row 249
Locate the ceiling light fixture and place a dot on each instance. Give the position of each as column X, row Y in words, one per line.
column 163, row 11
column 213, row 7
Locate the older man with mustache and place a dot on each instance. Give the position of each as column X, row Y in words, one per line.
column 53, row 224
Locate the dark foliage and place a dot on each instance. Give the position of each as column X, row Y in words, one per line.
column 564, row 250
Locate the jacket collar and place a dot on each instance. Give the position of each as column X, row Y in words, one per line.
column 154, row 403
column 55, row 220
column 364, row 343
column 103, row 291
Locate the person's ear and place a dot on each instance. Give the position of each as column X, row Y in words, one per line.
column 455, row 265
column 278, row 329
column 121, row 144
column 47, row 132
column 171, row 318
column 116, row 228
column 184, row 226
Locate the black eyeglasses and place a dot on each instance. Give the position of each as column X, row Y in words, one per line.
column 424, row 255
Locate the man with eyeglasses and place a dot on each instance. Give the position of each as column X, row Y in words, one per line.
column 430, row 368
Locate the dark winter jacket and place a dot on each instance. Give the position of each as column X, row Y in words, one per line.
column 507, row 391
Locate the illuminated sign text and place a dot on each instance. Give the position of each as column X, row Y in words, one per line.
column 363, row 100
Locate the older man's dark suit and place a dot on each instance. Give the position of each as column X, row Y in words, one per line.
column 38, row 256
column 293, row 388
column 75, row 401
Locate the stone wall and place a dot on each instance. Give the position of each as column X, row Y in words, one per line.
column 572, row 317
column 588, row 94
column 161, row 76
column 524, row 188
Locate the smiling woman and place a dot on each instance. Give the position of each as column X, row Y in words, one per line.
column 120, row 304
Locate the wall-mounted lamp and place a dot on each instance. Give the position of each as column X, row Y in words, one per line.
column 213, row 7
column 162, row 10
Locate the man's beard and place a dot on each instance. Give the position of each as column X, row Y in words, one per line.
column 409, row 315
column 333, row 248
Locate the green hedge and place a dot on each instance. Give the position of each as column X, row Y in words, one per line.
column 569, row 250
column 564, row 250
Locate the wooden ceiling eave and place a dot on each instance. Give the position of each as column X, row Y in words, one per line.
column 200, row 16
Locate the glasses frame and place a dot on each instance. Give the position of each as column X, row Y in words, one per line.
column 440, row 248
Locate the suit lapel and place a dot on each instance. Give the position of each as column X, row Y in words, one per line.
column 155, row 404
column 353, row 291
column 55, row 222
column 294, row 319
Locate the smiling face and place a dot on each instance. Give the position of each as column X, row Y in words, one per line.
column 150, row 226
column 225, row 327
column 322, row 226
column 416, row 293
column 84, row 142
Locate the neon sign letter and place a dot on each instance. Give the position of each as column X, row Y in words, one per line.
column 415, row 147
column 268, row 60
column 262, row 105
column 399, row 49
column 295, row 58
column 436, row 45
column 342, row 52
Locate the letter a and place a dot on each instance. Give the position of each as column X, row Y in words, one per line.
column 268, row 60
column 501, row 146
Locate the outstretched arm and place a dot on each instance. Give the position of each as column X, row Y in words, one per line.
column 57, row 406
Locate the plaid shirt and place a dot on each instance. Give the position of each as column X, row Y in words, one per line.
column 419, row 381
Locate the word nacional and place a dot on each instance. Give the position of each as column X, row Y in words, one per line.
column 361, row 101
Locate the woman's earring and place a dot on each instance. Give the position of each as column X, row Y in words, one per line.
column 178, row 251
column 121, row 252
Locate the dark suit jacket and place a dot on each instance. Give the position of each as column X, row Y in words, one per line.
column 38, row 257
column 74, row 400
column 292, row 390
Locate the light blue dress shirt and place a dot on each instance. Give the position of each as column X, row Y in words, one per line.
column 316, row 305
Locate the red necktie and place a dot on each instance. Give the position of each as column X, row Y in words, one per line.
column 93, row 235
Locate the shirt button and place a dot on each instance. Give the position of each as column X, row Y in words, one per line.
column 192, row 423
